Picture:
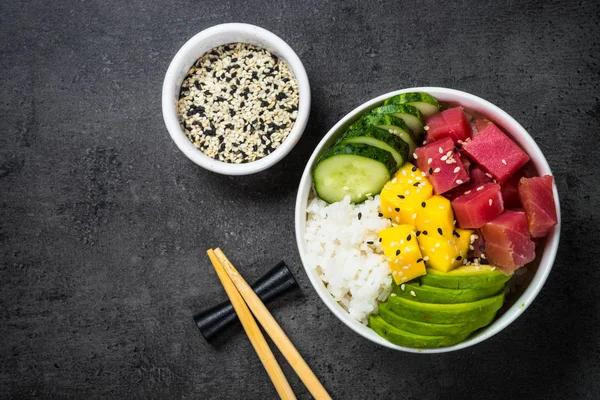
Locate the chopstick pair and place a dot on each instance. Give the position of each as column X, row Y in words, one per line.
column 244, row 299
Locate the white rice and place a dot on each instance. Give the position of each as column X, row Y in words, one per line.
column 356, row 273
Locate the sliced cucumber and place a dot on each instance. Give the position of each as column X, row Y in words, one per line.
column 379, row 138
column 352, row 169
column 426, row 103
column 411, row 115
column 392, row 124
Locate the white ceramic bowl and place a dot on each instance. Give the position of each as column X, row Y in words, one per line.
column 523, row 298
column 192, row 50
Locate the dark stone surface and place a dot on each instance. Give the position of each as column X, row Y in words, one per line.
column 104, row 224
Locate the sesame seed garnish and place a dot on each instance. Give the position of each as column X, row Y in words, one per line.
column 413, row 294
column 467, row 192
column 394, row 180
column 397, row 219
column 440, row 231
column 414, row 169
column 441, row 207
column 437, row 170
column 480, row 188
column 459, row 181
column 443, row 158
column 415, row 156
column 456, row 170
column 401, row 196
column 380, row 215
column 429, row 160
column 404, row 172
column 504, row 162
column 456, row 234
column 410, row 181
column 488, row 175
column 423, row 204
column 238, row 111
column 402, row 287
column 419, row 260
column 407, row 192
column 481, row 248
column 408, row 237
column 490, row 202
column 393, row 294
column 398, row 252
column 441, row 150
column 458, row 258
column 418, row 233
column 426, row 127
column 417, row 184
column 379, row 240
column 483, row 256
column 424, row 233
column 359, row 216
column 389, row 209
column 414, row 216
column 424, row 142
column 493, row 268
column 370, row 242
column 397, row 209
column 404, row 278
column 430, row 171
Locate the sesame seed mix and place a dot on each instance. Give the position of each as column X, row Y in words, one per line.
column 238, row 103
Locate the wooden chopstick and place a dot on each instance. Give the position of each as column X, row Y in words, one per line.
column 273, row 329
column 253, row 331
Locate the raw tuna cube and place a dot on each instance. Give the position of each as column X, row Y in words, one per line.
column 478, row 176
column 478, row 206
column 444, row 168
column 510, row 191
column 507, row 241
column 452, row 123
column 478, row 244
column 496, row 153
column 537, row 199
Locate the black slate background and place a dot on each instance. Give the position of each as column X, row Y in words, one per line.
column 104, row 224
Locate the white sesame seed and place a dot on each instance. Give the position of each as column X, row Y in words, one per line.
column 456, row 170
column 414, row 216
column 437, row 245
column 413, row 294
column 443, row 158
column 460, row 182
column 426, row 127
column 426, row 258
column 424, row 142
column 441, row 150
column 429, row 160
column 400, row 273
column 504, row 162
column 402, row 287
column 394, row 180
column 393, row 294
column 397, row 219
column 490, row 202
column 467, row 192
column 404, row 172
column 488, row 175
column 480, row 188
column 442, row 207
column 389, row 209
column 435, row 171
column 415, row 156
column 404, row 279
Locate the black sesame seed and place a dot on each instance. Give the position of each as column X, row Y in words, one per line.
column 232, row 112
column 482, row 248
column 430, row 171
column 207, row 93
column 416, row 184
column 440, row 231
column 458, row 258
column 484, row 262
column 397, row 252
column 264, row 103
column 423, row 204
column 359, row 216
column 424, row 233
column 419, row 260
column 380, row 215
column 418, row 233
column 379, row 240
column 281, row 96
column 458, row 145
column 455, row 151
column 414, row 169
column 219, row 98
column 369, row 242
column 401, row 196
column 397, row 209
column 408, row 237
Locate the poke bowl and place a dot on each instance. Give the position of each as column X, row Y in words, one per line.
column 372, row 209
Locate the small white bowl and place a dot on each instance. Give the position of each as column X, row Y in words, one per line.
column 192, row 50
column 518, row 133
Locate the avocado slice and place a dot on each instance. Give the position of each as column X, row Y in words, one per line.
column 445, row 313
column 407, row 339
column 465, row 277
column 424, row 328
column 432, row 294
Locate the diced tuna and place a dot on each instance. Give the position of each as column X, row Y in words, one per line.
column 537, row 198
column 480, row 124
column 496, row 153
column 478, row 206
column 478, row 176
column 507, row 241
column 443, row 165
column 510, row 192
column 452, row 123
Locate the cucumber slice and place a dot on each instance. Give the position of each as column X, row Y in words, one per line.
column 392, row 124
column 426, row 103
column 379, row 138
column 411, row 115
column 352, row 169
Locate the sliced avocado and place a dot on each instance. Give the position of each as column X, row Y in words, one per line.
column 445, row 313
column 433, row 294
column 407, row 339
column 465, row 277
column 423, row 328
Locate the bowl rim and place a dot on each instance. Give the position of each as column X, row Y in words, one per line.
column 238, row 32
column 549, row 251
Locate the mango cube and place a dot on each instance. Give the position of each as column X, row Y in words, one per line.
column 435, row 216
column 445, row 252
column 401, row 247
column 401, row 197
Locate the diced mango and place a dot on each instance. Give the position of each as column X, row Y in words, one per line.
column 401, row 197
column 463, row 240
column 400, row 246
column 440, row 252
column 435, row 215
